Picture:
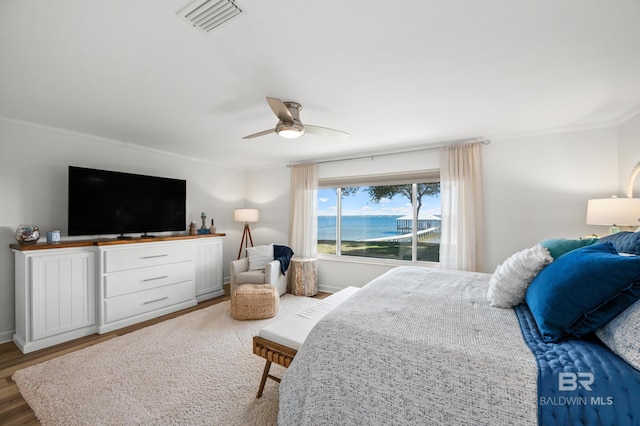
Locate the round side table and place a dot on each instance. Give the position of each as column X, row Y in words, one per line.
column 303, row 276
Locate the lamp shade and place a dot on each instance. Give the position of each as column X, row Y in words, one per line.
column 614, row 211
column 246, row 215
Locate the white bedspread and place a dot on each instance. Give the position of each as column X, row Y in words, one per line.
column 414, row 346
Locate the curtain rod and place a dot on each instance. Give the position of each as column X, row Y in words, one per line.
column 483, row 141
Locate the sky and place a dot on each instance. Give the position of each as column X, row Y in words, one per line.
column 360, row 204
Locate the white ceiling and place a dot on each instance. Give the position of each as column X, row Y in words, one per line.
column 396, row 75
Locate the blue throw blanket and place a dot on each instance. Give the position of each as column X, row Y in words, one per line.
column 283, row 255
column 581, row 382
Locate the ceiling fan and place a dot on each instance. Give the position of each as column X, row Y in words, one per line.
column 290, row 126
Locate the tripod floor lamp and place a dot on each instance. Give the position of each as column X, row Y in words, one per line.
column 246, row 216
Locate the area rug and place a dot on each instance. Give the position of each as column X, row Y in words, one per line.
column 196, row 369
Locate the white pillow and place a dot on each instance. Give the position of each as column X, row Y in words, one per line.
column 508, row 284
column 622, row 335
column 259, row 256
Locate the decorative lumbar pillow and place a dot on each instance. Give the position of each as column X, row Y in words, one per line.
column 624, row 242
column 559, row 246
column 509, row 282
column 583, row 290
column 259, row 256
column 622, row 335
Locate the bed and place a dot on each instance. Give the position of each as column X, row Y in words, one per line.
column 425, row 346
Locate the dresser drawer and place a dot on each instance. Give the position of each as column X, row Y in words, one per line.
column 133, row 304
column 118, row 283
column 153, row 254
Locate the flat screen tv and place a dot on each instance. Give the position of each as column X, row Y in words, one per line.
column 103, row 202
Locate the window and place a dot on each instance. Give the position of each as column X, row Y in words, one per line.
column 375, row 217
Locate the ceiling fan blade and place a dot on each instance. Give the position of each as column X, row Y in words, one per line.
column 263, row 133
column 280, row 109
column 325, row 131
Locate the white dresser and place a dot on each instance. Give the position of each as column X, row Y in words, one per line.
column 55, row 296
column 143, row 281
column 208, row 268
column 71, row 290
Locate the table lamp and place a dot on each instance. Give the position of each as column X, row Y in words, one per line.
column 616, row 211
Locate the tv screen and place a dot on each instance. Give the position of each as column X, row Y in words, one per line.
column 107, row 202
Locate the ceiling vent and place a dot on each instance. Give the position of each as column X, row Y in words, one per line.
column 209, row 14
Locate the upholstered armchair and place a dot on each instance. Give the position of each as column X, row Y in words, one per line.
column 257, row 268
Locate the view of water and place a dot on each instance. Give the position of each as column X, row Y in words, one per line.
column 357, row 227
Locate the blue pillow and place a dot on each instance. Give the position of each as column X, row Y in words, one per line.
column 559, row 246
column 583, row 290
column 624, row 242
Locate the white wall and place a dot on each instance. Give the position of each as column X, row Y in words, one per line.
column 629, row 146
column 428, row 159
column 537, row 187
column 268, row 191
column 33, row 189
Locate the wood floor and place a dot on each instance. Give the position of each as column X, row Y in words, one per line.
column 13, row 408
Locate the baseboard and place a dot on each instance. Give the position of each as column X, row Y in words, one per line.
column 7, row 336
column 330, row 289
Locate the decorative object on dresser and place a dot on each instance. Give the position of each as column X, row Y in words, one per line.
column 27, row 234
column 203, row 229
column 75, row 288
column 53, row 236
column 247, row 216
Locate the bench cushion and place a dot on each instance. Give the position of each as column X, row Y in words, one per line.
column 292, row 330
column 250, row 277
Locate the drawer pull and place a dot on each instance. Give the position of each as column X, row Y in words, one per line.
column 151, row 257
column 156, row 300
column 156, row 278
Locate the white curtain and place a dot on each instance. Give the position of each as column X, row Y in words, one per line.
column 462, row 239
column 303, row 224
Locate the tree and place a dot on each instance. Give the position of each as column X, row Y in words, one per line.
column 377, row 193
column 351, row 190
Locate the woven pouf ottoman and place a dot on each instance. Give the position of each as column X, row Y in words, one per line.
column 255, row 301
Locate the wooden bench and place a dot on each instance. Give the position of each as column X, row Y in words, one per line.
column 279, row 342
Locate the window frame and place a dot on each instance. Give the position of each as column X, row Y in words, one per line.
column 404, row 178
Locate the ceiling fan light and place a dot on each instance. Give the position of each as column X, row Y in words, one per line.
column 289, row 125
column 290, row 133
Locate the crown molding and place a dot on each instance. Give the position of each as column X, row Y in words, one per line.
column 627, row 115
column 591, row 126
column 109, row 141
column 554, row 130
